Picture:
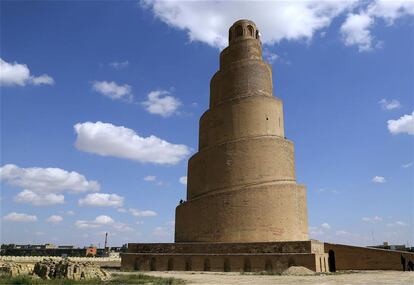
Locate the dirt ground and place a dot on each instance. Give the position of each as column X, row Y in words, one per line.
column 341, row 278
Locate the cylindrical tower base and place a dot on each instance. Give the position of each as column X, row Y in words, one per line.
column 256, row 213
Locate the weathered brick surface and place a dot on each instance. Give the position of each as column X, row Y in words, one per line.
column 241, row 183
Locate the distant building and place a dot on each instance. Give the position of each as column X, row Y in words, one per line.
column 399, row 247
column 41, row 250
column 91, row 251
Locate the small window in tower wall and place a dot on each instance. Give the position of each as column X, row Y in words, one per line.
column 251, row 30
column 239, row 31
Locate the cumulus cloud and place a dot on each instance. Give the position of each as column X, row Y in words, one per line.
column 102, row 200
column 270, row 56
column 325, row 226
column 389, row 104
column 208, row 21
column 19, row 74
column 109, row 140
column 19, row 217
column 103, row 221
column 404, row 124
column 407, row 165
column 161, row 103
column 46, row 180
column 119, row 64
column 356, row 30
column 320, row 230
column 30, row 197
column 164, row 232
column 145, row 213
column 379, row 179
column 183, row 180
column 54, row 219
column 113, row 90
column 99, row 221
column 45, row 186
column 373, row 220
column 150, row 178
column 397, row 224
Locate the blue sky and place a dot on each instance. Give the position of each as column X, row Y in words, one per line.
column 100, row 103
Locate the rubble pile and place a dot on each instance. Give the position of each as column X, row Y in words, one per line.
column 298, row 271
column 15, row 269
column 50, row 269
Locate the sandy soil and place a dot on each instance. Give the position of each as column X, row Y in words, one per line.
column 356, row 277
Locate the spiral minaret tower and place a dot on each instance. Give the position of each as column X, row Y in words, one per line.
column 241, row 182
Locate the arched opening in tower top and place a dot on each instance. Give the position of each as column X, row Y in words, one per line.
column 257, row 34
column 239, row 31
column 251, row 31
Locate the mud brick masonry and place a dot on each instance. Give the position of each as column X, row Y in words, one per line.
column 244, row 209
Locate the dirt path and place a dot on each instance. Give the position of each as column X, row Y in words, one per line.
column 361, row 277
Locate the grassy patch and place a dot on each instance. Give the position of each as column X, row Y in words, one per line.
column 117, row 279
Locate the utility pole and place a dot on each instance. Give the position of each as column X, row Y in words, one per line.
column 106, row 244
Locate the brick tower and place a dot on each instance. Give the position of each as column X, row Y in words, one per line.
column 241, row 182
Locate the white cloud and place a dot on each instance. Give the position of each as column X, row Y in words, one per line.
column 43, row 79
column 145, row 213
column 102, row 200
column 323, row 190
column 208, row 21
column 150, row 178
column 161, row 103
column 99, row 221
column 390, row 10
column 103, row 221
column 109, row 140
column 321, row 230
column 373, row 220
column 404, row 124
column 121, row 210
column 113, row 90
column 355, row 31
column 46, row 180
column 19, row 74
column 70, row 213
column 162, row 232
column 407, row 165
column 397, row 224
column 30, row 197
column 379, row 179
column 389, row 105
column 325, row 226
column 54, row 219
column 45, row 186
column 119, row 64
column 19, row 217
column 183, row 180
column 121, row 227
column 342, row 233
